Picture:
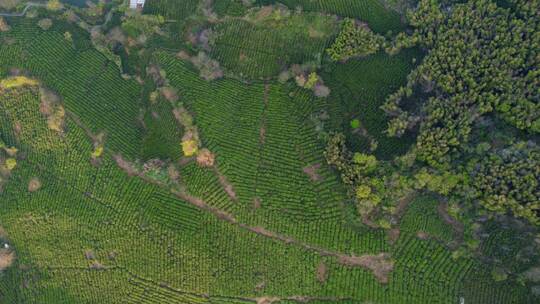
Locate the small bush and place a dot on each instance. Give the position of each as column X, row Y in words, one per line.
column 54, row 5
column 34, row 184
column 189, row 147
column 45, row 24
column 11, row 163
column 353, row 41
column 209, row 68
column 17, row 81
column 4, row 27
column 205, row 158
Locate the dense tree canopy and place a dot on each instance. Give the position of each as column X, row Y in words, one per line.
column 354, row 40
column 509, row 179
column 481, row 58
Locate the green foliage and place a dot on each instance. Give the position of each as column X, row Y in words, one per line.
column 363, row 192
column 54, row 5
column 355, row 123
column 93, row 229
column 439, row 183
column 260, row 47
column 230, row 8
column 508, row 179
column 499, row 74
column 354, row 41
column 311, row 81
column 379, row 17
column 9, row 4
column 499, row 275
column 366, row 163
column 90, row 86
column 136, row 25
column 359, row 88
column 422, row 216
column 11, row 163
column 17, row 81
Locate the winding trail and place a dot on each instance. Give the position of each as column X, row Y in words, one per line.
column 108, row 17
column 26, row 8
column 381, row 265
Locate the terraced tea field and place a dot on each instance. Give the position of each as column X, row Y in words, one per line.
column 103, row 204
column 373, row 12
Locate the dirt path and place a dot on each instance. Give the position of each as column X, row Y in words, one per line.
column 227, row 186
column 21, row 14
column 259, row 300
column 381, row 265
column 262, row 130
column 79, row 124
column 262, row 140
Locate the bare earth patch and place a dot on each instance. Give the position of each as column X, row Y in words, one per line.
column 226, row 185
column 422, row 235
column 242, row 56
column 311, row 171
column 125, row 165
column 262, row 128
column 97, row 265
column 267, row 300
column 7, row 257
column 264, row 12
column 256, row 203
column 393, row 235
column 262, row 134
column 34, row 184
column 322, row 272
column 17, row 128
column 89, row 255
column 205, row 158
column 381, row 265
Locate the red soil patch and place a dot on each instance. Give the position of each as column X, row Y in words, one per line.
column 393, row 235
column 267, row 300
column 34, row 184
column 381, row 265
column 311, row 171
column 226, row 185
column 322, row 272
column 125, row 165
column 205, row 158
column 422, row 235
column 7, row 257
column 256, row 203
column 262, row 134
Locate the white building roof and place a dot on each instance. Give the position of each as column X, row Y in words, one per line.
column 136, row 3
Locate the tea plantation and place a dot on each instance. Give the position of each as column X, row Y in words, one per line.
column 202, row 173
